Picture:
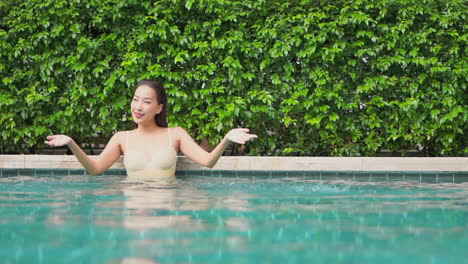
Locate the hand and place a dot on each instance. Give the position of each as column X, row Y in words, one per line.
column 239, row 135
column 58, row 140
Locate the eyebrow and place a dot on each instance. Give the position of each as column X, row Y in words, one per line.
column 144, row 97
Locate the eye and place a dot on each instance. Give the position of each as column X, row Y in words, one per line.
column 134, row 99
column 147, row 102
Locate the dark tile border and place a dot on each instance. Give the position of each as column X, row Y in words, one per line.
column 9, row 172
column 461, row 176
column 44, row 172
column 77, row 172
column 26, row 172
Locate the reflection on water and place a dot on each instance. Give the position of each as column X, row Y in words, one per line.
column 203, row 219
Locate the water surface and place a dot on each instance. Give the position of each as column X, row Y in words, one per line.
column 84, row 219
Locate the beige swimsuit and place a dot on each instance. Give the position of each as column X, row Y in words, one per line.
column 150, row 158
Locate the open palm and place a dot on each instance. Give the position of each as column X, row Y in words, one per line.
column 57, row 140
column 240, row 135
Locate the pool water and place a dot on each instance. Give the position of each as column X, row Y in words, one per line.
column 104, row 219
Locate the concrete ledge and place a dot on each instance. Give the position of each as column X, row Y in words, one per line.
column 262, row 163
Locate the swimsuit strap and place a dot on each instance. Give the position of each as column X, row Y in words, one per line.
column 170, row 137
column 126, row 139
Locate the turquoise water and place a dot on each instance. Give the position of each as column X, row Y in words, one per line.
column 83, row 219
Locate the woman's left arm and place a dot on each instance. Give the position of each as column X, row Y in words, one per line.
column 209, row 159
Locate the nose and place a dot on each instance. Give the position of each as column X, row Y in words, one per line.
column 139, row 105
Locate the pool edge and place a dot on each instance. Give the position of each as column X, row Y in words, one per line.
column 238, row 163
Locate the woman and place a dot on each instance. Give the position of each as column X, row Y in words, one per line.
column 150, row 150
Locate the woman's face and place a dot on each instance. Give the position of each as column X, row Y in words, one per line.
column 145, row 105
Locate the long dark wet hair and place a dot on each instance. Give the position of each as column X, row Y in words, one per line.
column 161, row 98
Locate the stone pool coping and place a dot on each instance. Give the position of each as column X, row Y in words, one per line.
column 240, row 163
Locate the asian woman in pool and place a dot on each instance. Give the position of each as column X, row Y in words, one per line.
column 150, row 150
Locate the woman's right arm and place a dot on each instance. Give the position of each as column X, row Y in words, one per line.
column 109, row 155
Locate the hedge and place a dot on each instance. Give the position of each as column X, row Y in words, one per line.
column 342, row 78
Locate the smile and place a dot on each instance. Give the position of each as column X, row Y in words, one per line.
column 138, row 115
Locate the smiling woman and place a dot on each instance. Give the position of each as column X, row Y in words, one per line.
column 150, row 150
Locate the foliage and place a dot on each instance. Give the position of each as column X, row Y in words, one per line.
column 320, row 77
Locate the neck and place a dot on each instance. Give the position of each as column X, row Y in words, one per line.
column 147, row 127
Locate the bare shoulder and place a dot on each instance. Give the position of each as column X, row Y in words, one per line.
column 178, row 131
column 119, row 139
column 119, row 136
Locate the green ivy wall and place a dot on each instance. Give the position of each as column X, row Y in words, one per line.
column 342, row 78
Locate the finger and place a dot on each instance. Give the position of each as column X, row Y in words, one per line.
column 241, row 129
column 245, row 136
column 51, row 137
column 249, row 136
